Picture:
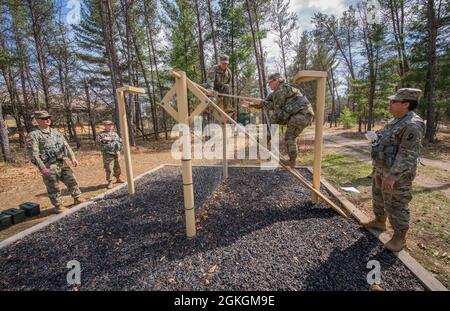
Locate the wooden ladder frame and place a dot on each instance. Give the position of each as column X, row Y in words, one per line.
column 182, row 116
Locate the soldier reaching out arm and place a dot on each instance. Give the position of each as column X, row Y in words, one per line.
column 289, row 108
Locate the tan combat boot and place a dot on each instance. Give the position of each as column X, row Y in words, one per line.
column 398, row 241
column 78, row 200
column 378, row 223
column 119, row 180
column 60, row 209
column 109, row 185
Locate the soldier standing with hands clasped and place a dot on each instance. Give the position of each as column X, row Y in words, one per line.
column 395, row 154
column 111, row 147
column 47, row 149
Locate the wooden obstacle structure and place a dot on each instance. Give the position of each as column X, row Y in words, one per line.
column 182, row 116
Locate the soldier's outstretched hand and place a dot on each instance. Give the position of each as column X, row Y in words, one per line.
column 75, row 163
column 46, row 172
column 388, row 183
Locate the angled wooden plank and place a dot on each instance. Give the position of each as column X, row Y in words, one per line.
column 193, row 87
column 165, row 103
column 168, row 97
column 198, row 110
column 169, row 109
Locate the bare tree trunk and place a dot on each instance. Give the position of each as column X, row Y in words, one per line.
column 151, row 48
column 107, row 22
column 200, row 43
column 213, row 32
column 430, row 84
column 261, row 52
column 150, row 91
column 91, row 113
column 40, row 54
column 4, row 139
column 255, row 48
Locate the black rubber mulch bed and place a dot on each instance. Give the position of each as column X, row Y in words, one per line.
column 259, row 231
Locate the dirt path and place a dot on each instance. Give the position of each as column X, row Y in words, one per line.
column 360, row 150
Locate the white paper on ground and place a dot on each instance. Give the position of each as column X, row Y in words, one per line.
column 350, row 189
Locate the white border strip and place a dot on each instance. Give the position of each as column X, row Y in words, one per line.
column 39, row 226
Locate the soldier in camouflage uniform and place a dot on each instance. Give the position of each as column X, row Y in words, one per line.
column 47, row 149
column 290, row 108
column 395, row 155
column 111, row 147
column 219, row 79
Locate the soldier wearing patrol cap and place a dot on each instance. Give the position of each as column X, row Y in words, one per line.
column 47, row 149
column 111, row 147
column 395, row 155
column 289, row 108
column 219, row 79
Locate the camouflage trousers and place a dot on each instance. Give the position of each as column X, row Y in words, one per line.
column 111, row 165
column 226, row 103
column 392, row 203
column 60, row 171
column 295, row 126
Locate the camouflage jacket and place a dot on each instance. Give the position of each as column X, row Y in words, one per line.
column 398, row 146
column 278, row 100
column 111, row 142
column 217, row 76
column 45, row 148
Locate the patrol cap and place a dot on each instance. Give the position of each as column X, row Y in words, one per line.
column 41, row 114
column 224, row 59
column 274, row 76
column 107, row 122
column 406, row 94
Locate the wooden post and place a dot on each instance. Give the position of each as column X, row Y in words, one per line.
column 186, row 159
column 318, row 139
column 320, row 77
column 224, row 148
column 126, row 141
column 124, row 131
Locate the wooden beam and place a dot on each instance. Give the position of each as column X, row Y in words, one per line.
column 131, row 89
column 176, row 74
column 309, row 75
column 165, row 103
column 201, row 96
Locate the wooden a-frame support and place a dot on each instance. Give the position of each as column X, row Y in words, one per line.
column 182, row 116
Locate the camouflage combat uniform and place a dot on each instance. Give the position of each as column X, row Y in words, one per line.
column 280, row 102
column 396, row 154
column 48, row 149
column 111, row 147
column 220, row 81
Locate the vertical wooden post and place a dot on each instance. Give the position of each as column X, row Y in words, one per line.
column 224, row 148
column 318, row 139
column 186, row 159
column 126, row 140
